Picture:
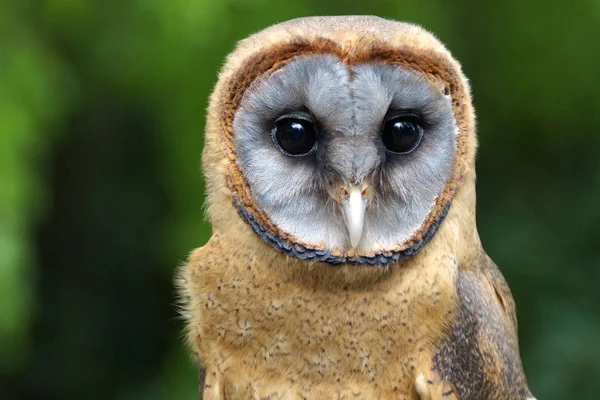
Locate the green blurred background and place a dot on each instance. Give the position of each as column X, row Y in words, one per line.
column 101, row 123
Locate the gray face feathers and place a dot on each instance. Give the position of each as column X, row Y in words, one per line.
column 345, row 157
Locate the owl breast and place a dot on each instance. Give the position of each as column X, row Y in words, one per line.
column 261, row 332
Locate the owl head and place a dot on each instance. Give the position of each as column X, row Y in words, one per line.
column 340, row 139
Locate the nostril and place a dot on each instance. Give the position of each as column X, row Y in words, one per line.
column 345, row 193
column 364, row 192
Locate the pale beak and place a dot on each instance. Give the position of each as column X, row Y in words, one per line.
column 354, row 207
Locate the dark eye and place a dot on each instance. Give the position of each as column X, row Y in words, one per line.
column 294, row 136
column 402, row 134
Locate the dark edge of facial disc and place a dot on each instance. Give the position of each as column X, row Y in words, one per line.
column 305, row 253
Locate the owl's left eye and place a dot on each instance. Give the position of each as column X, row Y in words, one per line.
column 294, row 136
column 402, row 134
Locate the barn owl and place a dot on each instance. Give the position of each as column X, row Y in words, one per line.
column 345, row 260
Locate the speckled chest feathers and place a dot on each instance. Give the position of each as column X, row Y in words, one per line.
column 345, row 261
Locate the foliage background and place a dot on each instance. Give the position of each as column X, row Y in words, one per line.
column 101, row 123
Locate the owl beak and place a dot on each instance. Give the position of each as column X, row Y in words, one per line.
column 353, row 208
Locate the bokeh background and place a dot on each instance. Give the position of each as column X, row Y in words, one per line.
column 101, row 123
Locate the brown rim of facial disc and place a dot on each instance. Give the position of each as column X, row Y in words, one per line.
column 433, row 65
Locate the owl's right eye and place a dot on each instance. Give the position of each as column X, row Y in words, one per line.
column 295, row 136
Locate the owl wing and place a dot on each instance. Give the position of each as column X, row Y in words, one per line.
column 202, row 270
column 479, row 358
column 201, row 380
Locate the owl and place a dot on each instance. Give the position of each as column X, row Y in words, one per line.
column 345, row 260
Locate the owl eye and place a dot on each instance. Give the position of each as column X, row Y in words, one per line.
column 402, row 134
column 294, row 136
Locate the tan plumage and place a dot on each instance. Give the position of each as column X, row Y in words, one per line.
column 440, row 324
